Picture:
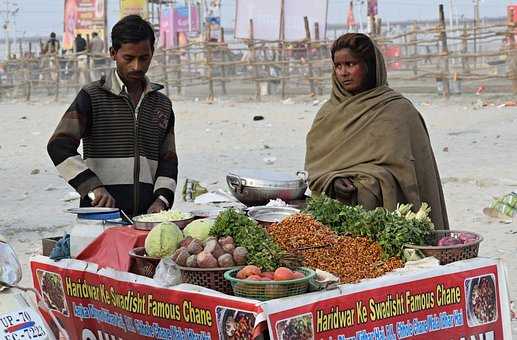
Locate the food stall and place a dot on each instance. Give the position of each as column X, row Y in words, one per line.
column 326, row 271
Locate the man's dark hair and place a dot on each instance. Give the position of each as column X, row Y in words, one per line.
column 361, row 47
column 94, row 34
column 52, row 35
column 131, row 29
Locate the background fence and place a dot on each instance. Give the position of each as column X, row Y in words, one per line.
column 426, row 58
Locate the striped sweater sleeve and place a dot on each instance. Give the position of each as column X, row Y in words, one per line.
column 167, row 172
column 62, row 146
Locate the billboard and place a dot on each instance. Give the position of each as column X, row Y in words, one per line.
column 266, row 16
column 85, row 17
column 295, row 10
column 139, row 7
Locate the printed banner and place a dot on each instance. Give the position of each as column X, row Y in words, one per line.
column 372, row 8
column 96, row 305
column 467, row 300
column 266, row 16
column 296, row 10
column 139, row 7
column 175, row 20
column 85, row 17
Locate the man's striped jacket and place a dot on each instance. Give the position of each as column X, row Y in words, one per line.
column 129, row 150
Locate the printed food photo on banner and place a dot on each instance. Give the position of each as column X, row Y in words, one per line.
column 481, row 300
column 52, row 290
column 299, row 327
column 234, row 324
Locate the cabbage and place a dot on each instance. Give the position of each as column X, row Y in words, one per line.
column 199, row 229
column 164, row 216
column 163, row 240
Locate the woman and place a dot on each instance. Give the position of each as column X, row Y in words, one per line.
column 368, row 144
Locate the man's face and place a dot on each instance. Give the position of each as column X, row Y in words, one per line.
column 133, row 60
column 350, row 71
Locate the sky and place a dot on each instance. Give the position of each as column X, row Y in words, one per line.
column 39, row 17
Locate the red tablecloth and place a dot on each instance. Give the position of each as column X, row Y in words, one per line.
column 111, row 248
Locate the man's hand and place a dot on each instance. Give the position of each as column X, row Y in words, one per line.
column 103, row 198
column 157, row 206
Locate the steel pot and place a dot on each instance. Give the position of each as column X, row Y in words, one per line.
column 257, row 187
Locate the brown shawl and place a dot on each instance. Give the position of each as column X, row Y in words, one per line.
column 379, row 140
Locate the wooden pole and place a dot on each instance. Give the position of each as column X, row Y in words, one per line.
column 512, row 53
column 29, row 73
column 224, row 58
column 58, row 74
column 208, row 49
column 165, row 70
column 320, row 56
column 445, row 51
column 253, row 59
column 414, row 47
column 284, row 58
column 308, row 55
column 464, row 50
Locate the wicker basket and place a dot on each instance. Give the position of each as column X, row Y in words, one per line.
column 143, row 264
column 449, row 254
column 267, row 290
column 212, row 278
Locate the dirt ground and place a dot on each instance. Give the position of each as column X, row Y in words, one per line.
column 475, row 147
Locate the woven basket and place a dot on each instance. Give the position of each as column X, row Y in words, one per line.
column 449, row 254
column 212, row 278
column 267, row 290
column 142, row 264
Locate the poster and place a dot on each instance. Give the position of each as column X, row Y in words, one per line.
column 266, row 16
column 294, row 12
column 139, row 7
column 70, row 23
column 107, row 304
column 372, row 8
column 84, row 17
column 466, row 300
column 175, row 20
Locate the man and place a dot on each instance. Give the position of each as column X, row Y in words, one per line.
column 80, row 43
column 97, row 56
column 52, row 45
column 127, row 129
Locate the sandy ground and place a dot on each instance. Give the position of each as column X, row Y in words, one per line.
column 475, row 148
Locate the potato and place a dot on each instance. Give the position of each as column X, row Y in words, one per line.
column 182, row 257
column 186, row 241
column 206, row 260
column 192, row 261
column 214, row 248
column 176, row 253
column 225, row 260
column 239, row 255
column 226, row 240
column 229, row 248
column 195, row 247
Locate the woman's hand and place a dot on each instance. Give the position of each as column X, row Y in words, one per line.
column 344, row 190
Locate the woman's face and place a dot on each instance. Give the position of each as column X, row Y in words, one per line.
column 351, row 71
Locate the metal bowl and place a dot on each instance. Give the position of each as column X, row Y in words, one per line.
column 258, row 187
column 268, row 215
column 141, row 225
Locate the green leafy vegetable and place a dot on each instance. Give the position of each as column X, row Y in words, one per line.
column 391, row 229
column 263, row 252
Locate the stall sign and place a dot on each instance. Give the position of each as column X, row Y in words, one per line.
column 467, row 300
column 93, row 305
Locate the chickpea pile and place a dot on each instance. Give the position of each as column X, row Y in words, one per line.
column 350, row 258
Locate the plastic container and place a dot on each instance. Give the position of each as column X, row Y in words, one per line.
column 90, row 223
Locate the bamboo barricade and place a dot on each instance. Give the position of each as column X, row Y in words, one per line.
column 302, row 67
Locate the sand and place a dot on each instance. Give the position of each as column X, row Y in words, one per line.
column 475, row 147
